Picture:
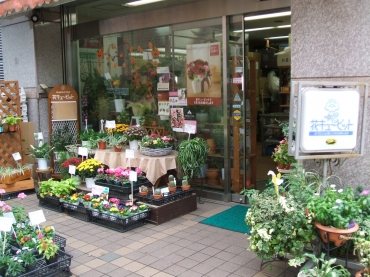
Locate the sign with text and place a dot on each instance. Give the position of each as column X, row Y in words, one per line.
column 17, row 156
column 37, row 217
column 98, row 190
column 5, row 224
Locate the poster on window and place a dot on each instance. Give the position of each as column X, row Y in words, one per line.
column 163, row 104
column 177, row 119
column 163, row 78
column 203, row 68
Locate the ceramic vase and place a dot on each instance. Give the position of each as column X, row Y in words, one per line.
column 134, row 144
column 89, row 182
column 42, row 164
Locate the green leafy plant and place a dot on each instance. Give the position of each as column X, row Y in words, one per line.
column 134, row 133
column 337, row 208
column 65, row 187
column 28, row 257
column 88, row 168
column 15, row 267
column 47, row 248
column 12, row 120
column 42, row 151
column 116, row 139
column 124, row 117
column 280, row 155
column 85, row 135
column 324, row 268
column 156, row 141
column 192, row 155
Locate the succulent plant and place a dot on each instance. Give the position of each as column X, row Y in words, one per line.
column 143, row 188
column 172, row 184
column 171, row 178
column 157, row 192
column 185, row 182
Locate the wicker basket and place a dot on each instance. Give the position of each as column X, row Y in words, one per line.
column 74, row 149
column 155, row 152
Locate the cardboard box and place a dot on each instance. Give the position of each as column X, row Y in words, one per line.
column 283, row 60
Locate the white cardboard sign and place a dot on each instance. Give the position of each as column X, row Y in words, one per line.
column 82, row 151
column 130, row 154
column 17, row 156
column 37, row 217
column 6, row 224
column 98, row 190
column 133, row 176
column 72, row 169
column 11, row 216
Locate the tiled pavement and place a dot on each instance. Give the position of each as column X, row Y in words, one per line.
column 180, row 247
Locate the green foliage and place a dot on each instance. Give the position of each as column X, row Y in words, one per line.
column 124, row 117
column 335, row 208
column 325, row 268
column 20, row 214
column 12, row 120
column 52, row 187
column 28, row 257
column 41, row 152
column 157, row 192
column 15, row 268
column 85, row 135
column 60, row 138
column 172, row 184
column 47, row 248
column 192, row 155
column 116, row 139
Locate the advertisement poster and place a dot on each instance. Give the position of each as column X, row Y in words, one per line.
column 177, row 119
column 190, row 126
column 178, row 97
column 203, row 74
column 189, row 114
column 163, row 78
column 163, row 104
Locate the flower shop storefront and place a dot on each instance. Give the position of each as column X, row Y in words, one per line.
column 176, row 78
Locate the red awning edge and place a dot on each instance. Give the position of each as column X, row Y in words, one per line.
column 13, row 6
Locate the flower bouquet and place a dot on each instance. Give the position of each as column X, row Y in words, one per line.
column 199, row 73
column 155, row 145
column 89, row 167
column 134, row 133
column 281, row 155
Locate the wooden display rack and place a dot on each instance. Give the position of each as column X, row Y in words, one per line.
column 19, row 186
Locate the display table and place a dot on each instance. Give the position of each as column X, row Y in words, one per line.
column 154, row 167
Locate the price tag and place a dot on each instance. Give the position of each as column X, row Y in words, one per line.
column 111, row 124
column 11, row 216
column 133, row 176
column 72, row 169
column 36, row 217
column 17, row 156
column 165, row 190
column 82, row 151
column 39, row 136
column 190, row 126
column 6, row 224
column 130, row 154
column 98, row 190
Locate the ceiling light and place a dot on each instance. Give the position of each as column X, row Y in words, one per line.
column 269, row 15
column 262, row 28
column 278, row 37
column 140, row 2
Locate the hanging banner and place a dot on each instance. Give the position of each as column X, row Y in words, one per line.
column 204, row 74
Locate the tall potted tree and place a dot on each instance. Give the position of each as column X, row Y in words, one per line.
column 192, row 155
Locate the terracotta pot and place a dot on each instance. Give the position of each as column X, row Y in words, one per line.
column 213, row 174
column 337, row 236
column 172, row 189
column 361, row 272
column 102, row 144
column 157, row 196
column 117, row 149
column 143, row 193
column 11, row 128
column 211, row 142
column 185, row 187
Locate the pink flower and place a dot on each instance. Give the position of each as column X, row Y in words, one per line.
column 2, row 203
column 22, row 195
column 133, row 208
column 100, row 170
column 2, row 191
column 39, row 235
column 138, row 171
column 6, row 208
column 365, row 192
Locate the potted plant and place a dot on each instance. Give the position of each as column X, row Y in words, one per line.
column 278, row 213
column 64, row 167
column 157, row 194
column 85, row 137
column 100, row 139
column 15, row 267
column 362, row 247
column 134, row 134
column 155, row 145
column 124, row 117
column 42, row 154
column 335, row 208
column 88, row 170
column 29, row 259
column 48, row 249
column 192, row 155
column 323, row 268
column 185, row 184
column 143, row 191
column 12, row 121
column 116, row 141
column 60, row 138
column 281, row 156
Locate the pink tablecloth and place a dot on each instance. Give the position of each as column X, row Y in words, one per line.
column 154, row 167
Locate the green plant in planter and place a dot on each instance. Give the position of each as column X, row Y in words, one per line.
column 185, row 182
column 65, row 187
column 192, row 155
column 124, row 117
column 15, row 268
column 98, row 137
column 12, row 120
column 323, row 268
column 60, row 138
column 172, row 184
column 86, row 135
column 42, row 151
column 28, row 257
column 157, row 192
column 116, row 139
column 47, row 248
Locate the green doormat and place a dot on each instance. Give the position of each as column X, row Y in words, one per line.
column 231, row 219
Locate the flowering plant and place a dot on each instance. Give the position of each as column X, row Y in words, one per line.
column 156, row 141
column 119, row 128
column 281, row 153
column 47, row 247
column 337, row 208
column 71, row 161
column 89, row 167
column 134, row 133
column 198, row 70
column 278, row 213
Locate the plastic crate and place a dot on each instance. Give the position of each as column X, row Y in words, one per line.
column 50, row 203
column 59, row 268
column 12, row 195
column 60, row 241
column 166, row 198
column 122, row 193
column 117, row 223
column 77, row 211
